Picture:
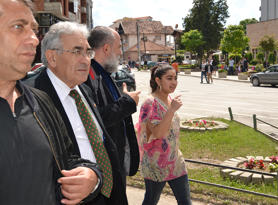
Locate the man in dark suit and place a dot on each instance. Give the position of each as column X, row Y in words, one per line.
column 66, row 54
column 115, row 107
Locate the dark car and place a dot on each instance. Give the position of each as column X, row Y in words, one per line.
column 122, row 76
column 269, row 76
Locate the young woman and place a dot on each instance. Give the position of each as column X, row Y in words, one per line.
column 158, row 135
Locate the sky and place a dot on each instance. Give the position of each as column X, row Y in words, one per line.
column 169, row 12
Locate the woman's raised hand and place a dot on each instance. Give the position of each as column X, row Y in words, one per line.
column 176, row 103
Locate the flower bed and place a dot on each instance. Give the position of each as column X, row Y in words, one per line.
column 202, row 125
column 258, row 163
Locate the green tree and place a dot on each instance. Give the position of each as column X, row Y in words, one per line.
column 208, row 17
column 267, row 44
column 260, row 57
column 193, row 41
column 245, row 22
column 234, row 40
column 249, row 56
column 272, row 58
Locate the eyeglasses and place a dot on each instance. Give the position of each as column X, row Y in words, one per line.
column 77, row 52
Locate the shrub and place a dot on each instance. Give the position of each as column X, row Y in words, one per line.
column 259, row 68
column 222, row 71
column 254, row 62
column 260, row 57
column 272, row 58
column 249, row 56
column 180, row 58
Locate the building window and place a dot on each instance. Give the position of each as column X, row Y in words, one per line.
column 158, row 37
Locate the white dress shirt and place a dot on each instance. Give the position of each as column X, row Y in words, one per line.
column 70, row 108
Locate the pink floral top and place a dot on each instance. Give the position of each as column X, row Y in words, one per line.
column 161, row 159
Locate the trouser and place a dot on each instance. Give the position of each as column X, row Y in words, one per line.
column 210, row 77
column 179, row 186
column 204, row 73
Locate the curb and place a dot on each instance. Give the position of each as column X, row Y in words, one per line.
column 216, row 78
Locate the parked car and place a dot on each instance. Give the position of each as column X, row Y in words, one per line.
column 269, row 76
column 127, row 69
column 151, row 64
column 122, row 76
column 36, row 69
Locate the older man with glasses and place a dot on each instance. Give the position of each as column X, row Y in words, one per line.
column 66, row 55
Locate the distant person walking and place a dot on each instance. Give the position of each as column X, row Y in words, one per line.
column 175, row 65
column 210, row 70
column 158, row 135
column 244, row 65
column 231, row 66
column 204, row 70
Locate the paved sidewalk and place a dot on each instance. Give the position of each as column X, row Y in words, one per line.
column 135, row 197
column 215, row 77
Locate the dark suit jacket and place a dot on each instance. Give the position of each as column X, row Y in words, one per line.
column 114, row 113
column 118, row 195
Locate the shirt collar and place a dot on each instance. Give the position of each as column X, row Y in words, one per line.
column 61, row 88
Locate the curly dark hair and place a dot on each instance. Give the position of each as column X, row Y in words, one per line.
column 158, row 71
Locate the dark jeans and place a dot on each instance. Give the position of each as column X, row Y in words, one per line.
column 204, row 73
column 179, row 186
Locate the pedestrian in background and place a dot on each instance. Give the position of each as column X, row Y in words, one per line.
column 175, row 65
column 244, row 65
column 158, row 136
column 231, row 66
column 210, row 70
column 204, row 70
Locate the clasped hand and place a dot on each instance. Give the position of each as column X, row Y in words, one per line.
column 76, row 184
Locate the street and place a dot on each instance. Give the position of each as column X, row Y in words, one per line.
column 213, row 100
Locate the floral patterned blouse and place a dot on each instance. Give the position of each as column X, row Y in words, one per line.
column 161, row 159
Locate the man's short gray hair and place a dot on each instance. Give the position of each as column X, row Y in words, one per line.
column 52, row 39
column 101, row 35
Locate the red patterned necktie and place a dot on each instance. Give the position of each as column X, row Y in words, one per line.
column 96, row 143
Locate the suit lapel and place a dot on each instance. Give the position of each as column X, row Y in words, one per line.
column 43, row 83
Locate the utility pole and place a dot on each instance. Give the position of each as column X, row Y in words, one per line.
column 138, row 43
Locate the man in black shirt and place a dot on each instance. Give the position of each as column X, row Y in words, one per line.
column 35, row 150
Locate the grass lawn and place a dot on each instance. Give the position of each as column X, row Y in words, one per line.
column 217, row 146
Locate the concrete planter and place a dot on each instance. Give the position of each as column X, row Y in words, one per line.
column 245, row 177
column 243, row 76
column 187, row 71
column 218, row 125
column 222, row 75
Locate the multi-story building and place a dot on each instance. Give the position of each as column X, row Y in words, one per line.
column 268, row 25
column 154, row 40
column 269, row 10
column 49, row 12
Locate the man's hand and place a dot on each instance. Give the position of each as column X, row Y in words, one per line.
column 77, row 184
column 134, row 95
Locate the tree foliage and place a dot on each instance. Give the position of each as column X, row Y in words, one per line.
column 249, row 56
column 267, row 44
column 260, row 57
column 245, row 22
column 208, row 17
column 272, row 58
column 234, row 40
column 192, row 41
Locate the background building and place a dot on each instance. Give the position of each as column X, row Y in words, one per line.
column 156, row 42
column 269, row 10
column 268, row 25
column 49, row 12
